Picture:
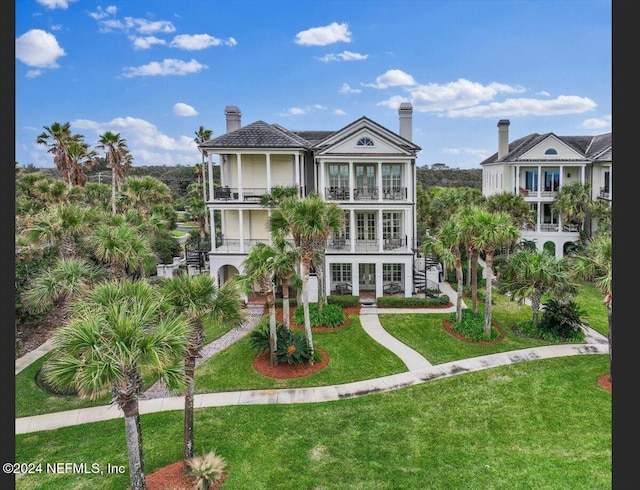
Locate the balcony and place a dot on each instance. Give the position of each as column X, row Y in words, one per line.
column 225, row 245
column 336, row 193
column 604, row 193
column 394, row 193
column 250, row 194
column 365, row 193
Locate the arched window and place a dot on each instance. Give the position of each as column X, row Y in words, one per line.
column 551, row 151
column 365, row 142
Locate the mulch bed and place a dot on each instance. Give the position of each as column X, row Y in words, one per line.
column 262, row 364
column 172, row 477
column 447, row 326
column 604, row 382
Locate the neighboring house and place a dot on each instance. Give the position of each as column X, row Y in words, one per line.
column 364, row 167
column 537, row 166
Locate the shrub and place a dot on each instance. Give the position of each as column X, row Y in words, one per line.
column 345, row 301
column 561, row 320
column 332, row 315
column 166, row 247
column 471, row 326
column 206, row 469
column 399, row 302
column 259, row 337
column 292, row 348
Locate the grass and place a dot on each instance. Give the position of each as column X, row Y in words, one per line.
column 589, row 299
column 31, row 400
column 177, row 233
column 540, row 424
column 353, row 356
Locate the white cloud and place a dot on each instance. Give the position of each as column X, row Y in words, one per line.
column 164, row 68
column 192, row 42
column 347, row 89
column 34, row 73
column 54, row 4
column 145, row 42
column 148, row 145
column 321, row 36
column 37, row 48
column 543, row 93
column 392, row 78
column 299, row 111
column 344, row 56
column 597, row 123
column 101, row 14
column 147, row 27
column 182, row 109
column 339, row 112
column 564, row 104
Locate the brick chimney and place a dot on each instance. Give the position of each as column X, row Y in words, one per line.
column 233, row 115
column 405, row 112
column 503, row 137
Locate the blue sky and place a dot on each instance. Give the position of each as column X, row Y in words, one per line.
column 154, row 71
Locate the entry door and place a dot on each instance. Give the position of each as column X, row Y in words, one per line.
column 367, row 277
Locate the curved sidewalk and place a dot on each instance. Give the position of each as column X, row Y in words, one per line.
column 52, row 421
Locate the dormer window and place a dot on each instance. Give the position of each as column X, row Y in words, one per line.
column 365, row 142
column 551, row 151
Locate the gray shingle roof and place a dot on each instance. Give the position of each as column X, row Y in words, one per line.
column 587, row 146
column 258, row 135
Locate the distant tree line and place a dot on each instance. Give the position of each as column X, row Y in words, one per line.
column 442, row 176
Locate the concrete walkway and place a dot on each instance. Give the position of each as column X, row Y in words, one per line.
column 420, row 370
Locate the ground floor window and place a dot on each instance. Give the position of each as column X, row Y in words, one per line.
column 340, row 273
column 392, row 273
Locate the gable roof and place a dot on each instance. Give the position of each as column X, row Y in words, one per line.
column 258, row 135
column 590, row 147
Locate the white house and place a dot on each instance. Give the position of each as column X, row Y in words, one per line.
column 367, row 169
column 537, row 166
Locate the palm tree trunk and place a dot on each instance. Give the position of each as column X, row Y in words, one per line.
column 322, row 297
column 535, row 307
column 459, row 280
column 113, row 191
column 487, row 301
column 285, row 304
column 134, row 445
column 474, row 282
column 273, row 335
column 305, row 308
column 188, row 444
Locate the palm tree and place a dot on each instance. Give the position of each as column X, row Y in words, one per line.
column 515, row 206
column 202, row 136
column 123, row 248
column 573, row 203
column 117, row 156
column 80, row 159
column 57, row 138
column 63, row 226
column 67, row 279
column 310, row 221
column 447, row 243
column 259, row 267
column 471, row 230
column 284, row 268
column 497, row 230
column 198, row 298
column 143, row 192
column 594, row 263
column 119, row 333
column 527, row 275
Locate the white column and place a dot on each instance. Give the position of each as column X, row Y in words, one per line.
column 352, row 230
column 241, row 228
column 352, row 182
column 240, row 188
column 268, row 172
column 379, row 181
column 355, row 279
column 379, row 285
column 296, row 171
column 380, row 240
column 540, row 181
column 212, row 231
column 210, row 165
column 321, row 180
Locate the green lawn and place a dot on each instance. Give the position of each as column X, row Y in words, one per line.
column 353, row 356
column 542, row 424
column 589, row 299
column 31, row 400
